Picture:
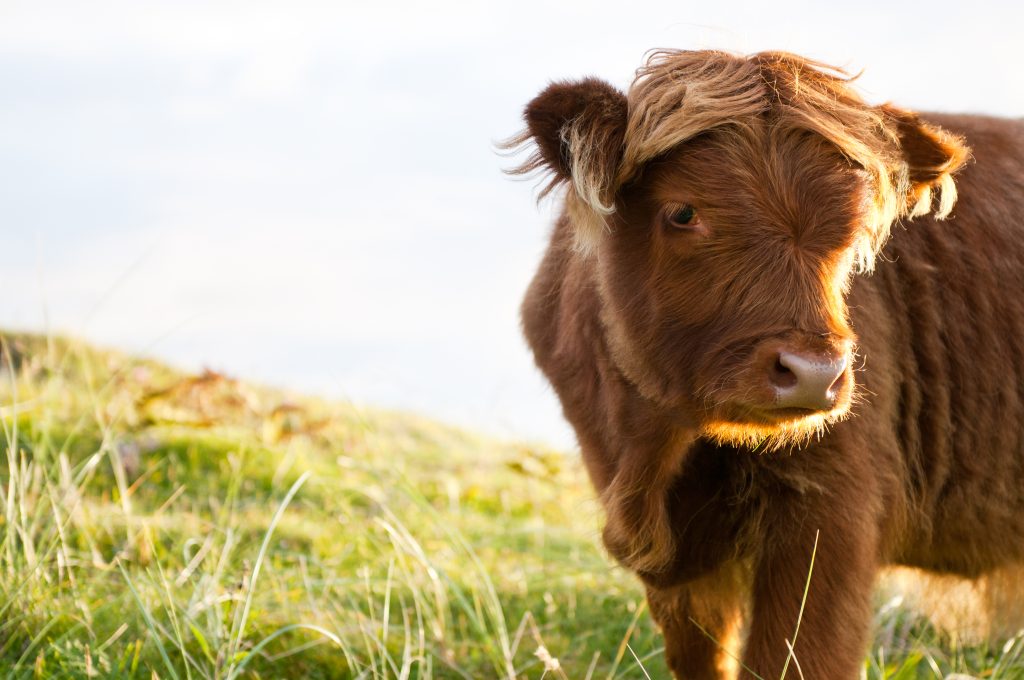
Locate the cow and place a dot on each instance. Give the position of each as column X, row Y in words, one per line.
column 787, row 327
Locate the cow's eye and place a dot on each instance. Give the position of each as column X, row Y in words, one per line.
column 684, row 217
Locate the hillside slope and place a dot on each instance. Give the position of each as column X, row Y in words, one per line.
column 157, row 524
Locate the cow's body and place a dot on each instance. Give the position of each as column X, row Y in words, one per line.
column 946, row 308
column 928, row 471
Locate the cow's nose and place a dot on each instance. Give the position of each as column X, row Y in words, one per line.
column 807, row 381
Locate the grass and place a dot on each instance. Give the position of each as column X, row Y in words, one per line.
column 156, row 524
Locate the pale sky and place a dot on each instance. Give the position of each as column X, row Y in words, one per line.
column 307, row 194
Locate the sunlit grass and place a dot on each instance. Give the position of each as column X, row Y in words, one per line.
column 162, row 525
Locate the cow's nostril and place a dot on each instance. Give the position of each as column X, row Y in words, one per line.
column 838, row 383
column 781, row 375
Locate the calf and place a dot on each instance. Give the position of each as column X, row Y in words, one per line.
column 772, row 349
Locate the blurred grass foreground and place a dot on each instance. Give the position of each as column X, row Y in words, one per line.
column 162, row 525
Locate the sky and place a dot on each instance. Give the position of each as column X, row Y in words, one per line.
column 308, row 194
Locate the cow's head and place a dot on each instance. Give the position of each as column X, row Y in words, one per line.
column 726, row 202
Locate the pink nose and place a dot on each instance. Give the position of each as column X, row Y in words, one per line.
column 807, row 381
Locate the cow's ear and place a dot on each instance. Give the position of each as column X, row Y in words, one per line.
column 578, row 129
column 932, row 156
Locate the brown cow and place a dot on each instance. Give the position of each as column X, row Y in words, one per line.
column 753, row 367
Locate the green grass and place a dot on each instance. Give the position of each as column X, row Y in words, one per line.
column 156, row 524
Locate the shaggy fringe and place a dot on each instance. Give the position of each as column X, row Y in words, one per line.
column 677, row 95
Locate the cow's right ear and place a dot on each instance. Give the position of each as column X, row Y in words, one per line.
column 578, row 129
column 932, row 156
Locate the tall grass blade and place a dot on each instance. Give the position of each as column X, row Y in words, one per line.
column 240, row 633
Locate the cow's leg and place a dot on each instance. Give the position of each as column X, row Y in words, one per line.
column 833, row 630
column 700, row 621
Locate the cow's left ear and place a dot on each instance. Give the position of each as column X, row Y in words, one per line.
column 932, row 156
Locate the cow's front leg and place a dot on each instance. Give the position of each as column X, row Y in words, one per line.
column 833, row 630
column 700, row 621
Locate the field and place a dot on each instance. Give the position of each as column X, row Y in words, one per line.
column 158, row 524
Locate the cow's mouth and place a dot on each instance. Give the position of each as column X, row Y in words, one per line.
column 768, row 428
column 786, row 414
column 740, row 414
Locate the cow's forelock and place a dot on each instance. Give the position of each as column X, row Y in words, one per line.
column 679, row 95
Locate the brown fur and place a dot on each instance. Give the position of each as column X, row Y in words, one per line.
column 658, row 342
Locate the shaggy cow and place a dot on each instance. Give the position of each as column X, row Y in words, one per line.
column 756, row 372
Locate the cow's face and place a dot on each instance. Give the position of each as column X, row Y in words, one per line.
column 724, row 274
column 727, row 202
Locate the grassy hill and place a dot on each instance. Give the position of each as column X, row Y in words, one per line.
column 156, row 524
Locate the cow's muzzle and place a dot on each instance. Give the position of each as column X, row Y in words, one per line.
column 806, row 380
